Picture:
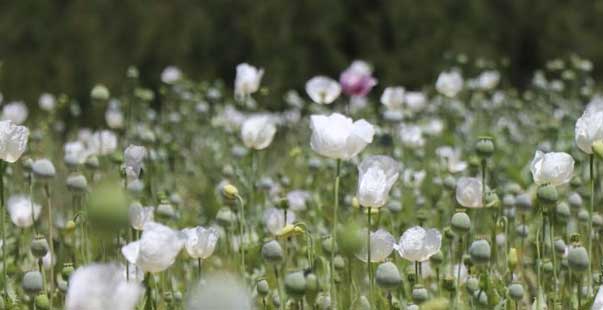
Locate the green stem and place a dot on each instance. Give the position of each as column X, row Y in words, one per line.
column 590, row 222
column 458, row 273
column 334, row 232
column 50, row 243
column 3, row 223
column 368, row 261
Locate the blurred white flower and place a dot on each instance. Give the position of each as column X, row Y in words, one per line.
column 339, row 137
column 22, row 210
column 140, row 215
column 452, row 158
column 376, row 176
column 15, row 111
column 469, row 192
column 411, row 136
column 555, row 168
column 589, row 129
column 102, row 143
column 274, row 219
column 257, row 132
column 220, row 291
column 156, row 250
column 598, row 303
column 415, row 100
column 393, row 97
column 200, row 242
column 357, row 79
column 488, row 80
column 171, row 75
column 114, row 117
column 449, row 83
column 418, row 244
column 134, row 156
column 47, row 102
column 322, row 89
column 101, row 287
column 248, row 80
column 433, row 127
column 297, row 199
column 75, row 153
column 13, row 141
column 382, row 245
column 100, row 92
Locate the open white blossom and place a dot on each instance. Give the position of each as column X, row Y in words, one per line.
column 415, row 100
column 75, row 153
column 449, row 83
column 488, row 80
column 411, row 136
column 200, row 241
column 134, row 156
column 298, row 199
column 13, row 141
column 171, row 75
column 418, row 244
column 469, row 192
column 274, row 219
column 248, row 80
column 47, row 102
column 322, row 89
column 376, row 176
column 257, row 132
column 140, row 215
column 156, row 250
column 22, row 210
column 598, row 303
column 382, row 245
column 555, row 168
column 15, row 111
column 339, row 137
column 589, row 129
column 102, row 287
column 393, row 97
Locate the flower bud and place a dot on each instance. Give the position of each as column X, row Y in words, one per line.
column 312, row 284
column 437, row 258
column 272, row 252
column 547, row 266
column 33, row 283
column 70, row 226
column 263, row 288
column 338, row 262
column 583, row 215
column 512, row 258
column 460, row 222
column 577, row 259
column 419, row 294
column 67, row 270
column 480, row 252
column 295, row 284
column 388, row 276
column 516, row 291
column 472, row 284
column 230, row 192
column 42, row 302
column 39, row 247
column 484, row 147
column 547, row 194
column 598, row 148
column 43, row 169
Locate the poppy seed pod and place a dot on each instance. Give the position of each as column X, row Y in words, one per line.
column 272, row 252
column 575, row 200
column 77, row 183
column 460, row 222
column 33, row 283
column 484, row 147
column 560, row 246
column 39, row 247
column 472, row 284
column 419, row 294
column 480, row 252
column 338, row 262
column 437, row 258
column 67, row 270
column 43, row 169
column 563, row 212
column 263, row 288
column 547, row 194
column 583, row 215
column 312, row 284
column 597, row 220
column 295, row 284
column 388, row 276
column 516, row 291
column 523, row 201
column 577, row 259
column 42, row 302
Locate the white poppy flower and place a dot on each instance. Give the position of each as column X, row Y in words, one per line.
column 102, row 143
column 598, row 303
column 75, row 153
column 322, row 89
column 13, row 141
column 114, row 118
column 100, row 92
column 449, row 83
column 140, row 215
column 382, row 245
column 411, row 136
column 274, row 219
column 15, row 111
column 257, row 132
column 415, row 100
column 589, row 129
column 101, row 287
column 418, row 244
column 134, row 156
column 376, row 176
column 555, row 168
column 339, row 137
column 156, row 250
column 469, row 192
column 171, row 75
column 200, row 242
column 393, row 97
column 248, row 79
column 297, row 199
column 488, row 80
column 47, row 102
column 20, row 209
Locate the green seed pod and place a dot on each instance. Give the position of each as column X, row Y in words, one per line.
column 560, row 246
column 77, row 183
column 263, row 288
column 547, row 266
column 547, row 194
column 484, row 147
column 39, row 246
column 563, row 212
column 437, row 258
column 480, row 252
column 295, row 284
column 472, row 285
column 33, row 283
column 577, row 259
column 350, row 238
column 516, row 291
column 492, row 200
column 450, row 183
column 42, row 302
column 583, row 215
column 508, row 201
column 460, row 222
column 92, row 162
column 339, row 262
column 272, row 252
column 312, row 284
column 482, row 297
column 419, row 294
column 523, row 202
column 67, row 270
column 388, row 276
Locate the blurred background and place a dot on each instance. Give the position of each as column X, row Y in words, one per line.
column 67, row 46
